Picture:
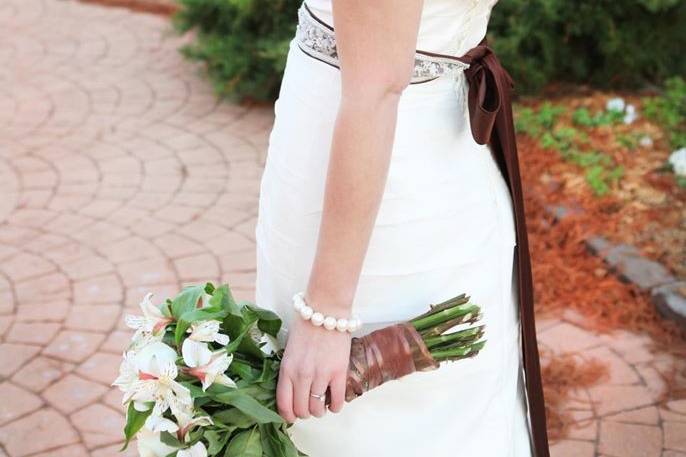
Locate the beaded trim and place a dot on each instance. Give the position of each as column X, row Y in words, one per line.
column 317, row 39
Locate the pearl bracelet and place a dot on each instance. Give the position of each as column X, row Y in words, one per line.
column 319, row 320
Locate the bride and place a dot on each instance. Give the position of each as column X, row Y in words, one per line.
column 391, row 182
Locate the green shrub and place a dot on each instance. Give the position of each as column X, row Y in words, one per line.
column 669, row 110
column 243, row 43
column 606, row 43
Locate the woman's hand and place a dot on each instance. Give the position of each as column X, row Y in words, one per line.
column 315, row 360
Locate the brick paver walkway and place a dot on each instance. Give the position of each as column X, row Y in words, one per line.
column 121, row 174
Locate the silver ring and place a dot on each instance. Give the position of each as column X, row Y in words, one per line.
column 318, row 397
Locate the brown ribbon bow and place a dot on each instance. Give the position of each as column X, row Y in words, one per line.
column 491, row 121
column 489, row 89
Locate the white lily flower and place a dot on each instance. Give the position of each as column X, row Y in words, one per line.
column 151, row 325
column 197, row 450
column 150, row 444
column 615, row 104
column 208, row 331
column 207, row 366
column 677, row 160
column 156, row 372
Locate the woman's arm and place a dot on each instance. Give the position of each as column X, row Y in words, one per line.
column 376, row 43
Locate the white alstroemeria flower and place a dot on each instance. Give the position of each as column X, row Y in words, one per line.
column 159, row 424
column 630, row 114
column 677, row 160
column 270, row 344
column 204, row 301
column 197, row 450
column 207, row 366
column 615, row 104
column 150, row 444
column 208, row 331
column 128, row 372
column 151, row 325
column 157, row 372
column 187, row 421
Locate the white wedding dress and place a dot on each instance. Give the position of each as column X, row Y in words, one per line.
column 445, row 226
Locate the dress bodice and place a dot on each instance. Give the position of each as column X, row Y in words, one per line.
column 449, row 27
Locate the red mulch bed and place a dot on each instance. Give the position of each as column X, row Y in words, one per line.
column 645, row 210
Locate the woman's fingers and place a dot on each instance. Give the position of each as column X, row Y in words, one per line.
column 284, row 397
column 318, row 405
column 301, row 394
column 337, row 386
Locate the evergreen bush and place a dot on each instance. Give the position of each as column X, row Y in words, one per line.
column 605, row 43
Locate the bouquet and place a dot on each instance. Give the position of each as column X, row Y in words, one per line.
column 199, row 378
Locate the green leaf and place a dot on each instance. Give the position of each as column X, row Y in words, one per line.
column 170, row 440
column 270, row 369
column 271, row 445
column 245, row 444
column 244, row 371
column 216, row 441
column 236, row 341
column 233, row 417
column 287, row 446
column 276, row 442
column 134, row 422
column 268, row 321
column 248, row 405
column 222, row 298
column 187, row 300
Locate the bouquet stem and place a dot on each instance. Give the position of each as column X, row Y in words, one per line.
column 417, row 345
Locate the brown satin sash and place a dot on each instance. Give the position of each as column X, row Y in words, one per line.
column 491, row 120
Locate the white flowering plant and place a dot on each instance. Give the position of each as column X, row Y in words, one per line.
column 199, row 377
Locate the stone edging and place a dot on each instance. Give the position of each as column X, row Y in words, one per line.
column 667, row 292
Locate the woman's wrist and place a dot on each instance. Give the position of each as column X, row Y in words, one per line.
column 336, row 304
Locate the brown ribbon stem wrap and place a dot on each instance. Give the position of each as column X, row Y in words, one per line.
column 384, row 355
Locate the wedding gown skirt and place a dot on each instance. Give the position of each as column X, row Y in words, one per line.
column 445, row 227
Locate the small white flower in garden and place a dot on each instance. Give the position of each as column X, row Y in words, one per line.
column 207, row 366
column 645, row 141
column 630, row 114
column 151, row 325
column 150, row 444
column 677, row 160
column 157, row 372
column 615, row 104
column 208, row 331
column 197, row 450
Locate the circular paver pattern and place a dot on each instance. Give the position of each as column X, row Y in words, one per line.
column 120, row 174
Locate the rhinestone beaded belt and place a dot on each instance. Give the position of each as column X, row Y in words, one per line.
column 318, row 40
